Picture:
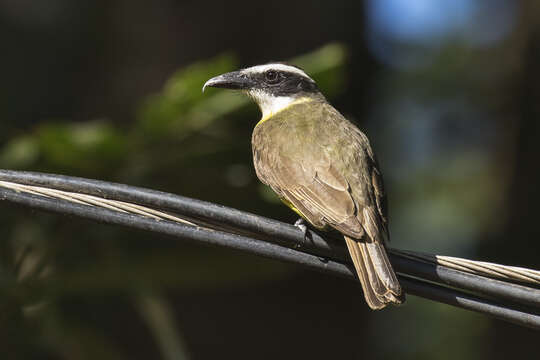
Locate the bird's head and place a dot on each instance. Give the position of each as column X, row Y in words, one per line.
column 273, row 86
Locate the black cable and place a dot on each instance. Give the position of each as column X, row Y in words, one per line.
column 470, row 302
column 497, row 289
column 271, row 230
column 282, row 232
column 214, row 213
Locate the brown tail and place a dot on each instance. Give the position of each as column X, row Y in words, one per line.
column 376, row 275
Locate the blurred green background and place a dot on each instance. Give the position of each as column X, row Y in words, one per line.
column 447, row 91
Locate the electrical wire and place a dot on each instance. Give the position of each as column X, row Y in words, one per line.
column 505, row 292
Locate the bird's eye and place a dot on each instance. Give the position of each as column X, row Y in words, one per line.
column 271, row 76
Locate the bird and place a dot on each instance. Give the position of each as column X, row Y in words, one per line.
column 322, row 166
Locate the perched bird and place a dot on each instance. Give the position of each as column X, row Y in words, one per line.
column 321, row 166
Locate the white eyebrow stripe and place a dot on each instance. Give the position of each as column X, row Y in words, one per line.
column 279, row 67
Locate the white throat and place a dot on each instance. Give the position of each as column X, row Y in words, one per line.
column 270, row 104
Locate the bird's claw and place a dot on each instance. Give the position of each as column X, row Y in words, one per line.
column 301, row 224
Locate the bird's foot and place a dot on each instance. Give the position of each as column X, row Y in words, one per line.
column 301, row 224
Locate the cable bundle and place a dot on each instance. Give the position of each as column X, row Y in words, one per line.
column 505, row 292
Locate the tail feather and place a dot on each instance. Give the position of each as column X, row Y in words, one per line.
column 375, row 273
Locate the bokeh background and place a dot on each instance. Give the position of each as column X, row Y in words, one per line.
column 448, row 92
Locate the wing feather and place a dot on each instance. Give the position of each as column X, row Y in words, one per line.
column 313, row 176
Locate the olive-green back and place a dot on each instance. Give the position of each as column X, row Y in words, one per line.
column 320, row 163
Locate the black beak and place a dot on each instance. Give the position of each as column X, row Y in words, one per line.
column 234, row 80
